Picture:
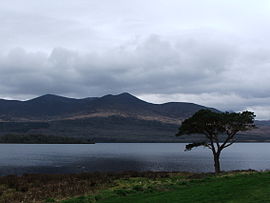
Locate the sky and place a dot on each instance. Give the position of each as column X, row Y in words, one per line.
column 213, row 53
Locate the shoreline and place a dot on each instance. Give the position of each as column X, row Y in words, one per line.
column 248, row 141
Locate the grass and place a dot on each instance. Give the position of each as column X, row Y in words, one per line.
column 231, row 187
column 55, row 187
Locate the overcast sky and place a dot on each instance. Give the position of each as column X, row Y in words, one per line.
column 214, row 53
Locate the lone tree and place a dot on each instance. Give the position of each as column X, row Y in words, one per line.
column 219, row 129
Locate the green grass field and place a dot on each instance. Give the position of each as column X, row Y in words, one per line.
column 152, row 187
column 242, row 187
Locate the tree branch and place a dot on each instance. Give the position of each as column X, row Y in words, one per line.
column 208, row 146
column 195, row 144
column 229, row 144
column 230, row 137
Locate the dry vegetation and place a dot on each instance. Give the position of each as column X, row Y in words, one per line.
column 41, row 187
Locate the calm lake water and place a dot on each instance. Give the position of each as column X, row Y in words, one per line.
column 74, row 158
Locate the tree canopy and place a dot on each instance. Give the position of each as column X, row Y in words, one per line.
column 219, row 129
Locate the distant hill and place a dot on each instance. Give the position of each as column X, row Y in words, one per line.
column 42, row 108
column 111, row 118
column 54, row 107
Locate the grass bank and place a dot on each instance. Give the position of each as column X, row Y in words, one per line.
column 233, row 187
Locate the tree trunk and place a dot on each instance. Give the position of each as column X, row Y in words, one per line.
column 216, row 162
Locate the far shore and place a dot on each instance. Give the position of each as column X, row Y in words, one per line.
column 81, row 143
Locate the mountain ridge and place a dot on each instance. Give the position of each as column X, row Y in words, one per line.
column 110, row 118
column 55, row 107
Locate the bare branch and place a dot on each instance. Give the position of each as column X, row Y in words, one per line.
column 208, row 146
column 230, row 136
column 229, row 144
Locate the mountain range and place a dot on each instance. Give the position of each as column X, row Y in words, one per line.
column 53, row 107
column 111, row 118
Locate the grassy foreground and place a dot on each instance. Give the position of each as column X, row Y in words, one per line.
column 231, row 187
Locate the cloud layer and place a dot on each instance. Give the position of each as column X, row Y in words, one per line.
column 211, row 53
column 199, row 70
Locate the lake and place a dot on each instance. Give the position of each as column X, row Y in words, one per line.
column 76, row 158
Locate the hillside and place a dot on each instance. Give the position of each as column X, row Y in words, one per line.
column 53, row 107
column 111, row 118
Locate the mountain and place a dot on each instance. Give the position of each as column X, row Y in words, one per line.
column 41, row 108
column 111, row 118
column 53, row 107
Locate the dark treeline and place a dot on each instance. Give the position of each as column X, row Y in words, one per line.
column 22, row 127
column 41, row 139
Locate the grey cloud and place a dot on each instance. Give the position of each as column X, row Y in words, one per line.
column 211, row 52
column 154, row 65
column 212, row 74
